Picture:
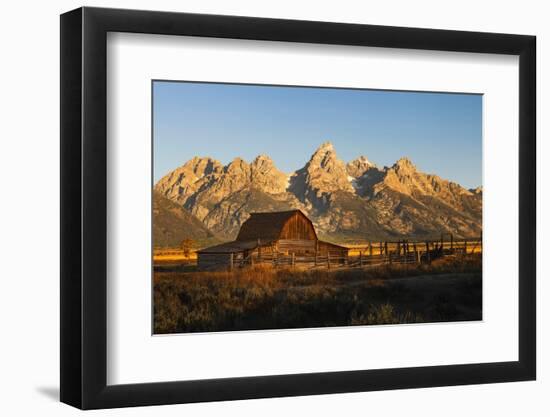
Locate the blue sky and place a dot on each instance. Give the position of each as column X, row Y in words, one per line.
column 441, row 133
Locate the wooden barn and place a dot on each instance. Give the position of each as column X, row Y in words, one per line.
column 267, row 238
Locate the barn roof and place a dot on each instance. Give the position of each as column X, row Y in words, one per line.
column 235, row 246
column 333, row 245
column 266, row 225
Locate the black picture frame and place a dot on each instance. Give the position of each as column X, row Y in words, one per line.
column 84, row 207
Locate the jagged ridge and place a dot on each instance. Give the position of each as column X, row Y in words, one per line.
column 350, row 201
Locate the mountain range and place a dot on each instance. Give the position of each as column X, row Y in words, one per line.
column 356, row 201
column 172, row 224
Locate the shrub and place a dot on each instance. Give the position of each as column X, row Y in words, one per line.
column 262, row 297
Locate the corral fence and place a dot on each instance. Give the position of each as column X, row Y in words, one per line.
column 372, row 254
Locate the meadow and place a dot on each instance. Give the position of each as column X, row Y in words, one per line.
column 262, row 297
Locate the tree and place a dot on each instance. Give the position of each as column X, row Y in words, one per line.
column 187, row 246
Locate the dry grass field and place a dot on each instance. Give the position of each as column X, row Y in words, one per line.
column 449, row 289
column 161, row 256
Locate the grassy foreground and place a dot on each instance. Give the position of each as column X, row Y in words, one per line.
column 267, row 298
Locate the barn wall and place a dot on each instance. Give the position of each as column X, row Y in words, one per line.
column 298, row 227
column 296, row 245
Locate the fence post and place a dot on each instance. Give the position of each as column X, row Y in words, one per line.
column 259, row 252
column 380, row 249
column 316, row 251
column 399, row 247
column 428, row 257
column 293, row 259
column 230, row 262
column 272, row 256
column 328, row 259
column 370, row 248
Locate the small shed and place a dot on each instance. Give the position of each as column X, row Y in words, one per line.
column 265, row 236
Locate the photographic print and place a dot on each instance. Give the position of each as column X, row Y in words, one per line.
column 281, row 207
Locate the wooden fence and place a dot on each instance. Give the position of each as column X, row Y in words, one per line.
column 372, row 254
column 359, row 256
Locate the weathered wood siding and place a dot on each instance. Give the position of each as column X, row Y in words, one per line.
column 298, row 227
column 296, row 246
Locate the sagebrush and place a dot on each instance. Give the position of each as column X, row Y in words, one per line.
column 268, row 298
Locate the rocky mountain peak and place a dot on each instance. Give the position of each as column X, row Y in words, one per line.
column 237, row 165
column 265, row 176
column 404, row 177
column 404, row 165
column 359, row 166
column 363, row 161
column 201, row 166
column 326, row 146
column 262, row 162
column 324, row 157
column 322, row 175
column 178, row 184
column 326, row 172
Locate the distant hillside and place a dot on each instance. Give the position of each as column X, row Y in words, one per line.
column 172, row 224
column 346, row 202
